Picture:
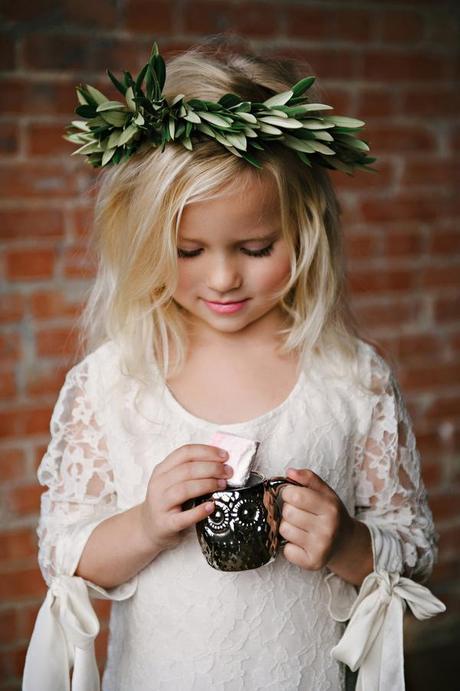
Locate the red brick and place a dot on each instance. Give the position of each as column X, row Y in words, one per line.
column 430, row 376
column 392, row 313
column 259, row 19
column 402, row 138
column 18, row 544
column 7, row 52
column 83, row 219
column 45, row 382
column 75, row 52
column 449, row 539
column 437, row 100
column 439, row 276
column 369, row 281
column 29, row 264
column 362, row 246
column 446, row 405
column 16, row 224
column 39, row 452
column 402, row 65
column 431, row 172
column 397, row 244
column 8, row 626
column 12, row 307
column 365, row 180
column 52, row 304
column 431, row 474
column 375, row 101
column 56, row 342
column 26, row 179
column 429, row 445
column 9, row 138
column 25, row 499
column 12, row 665
column 78, row 263
column 22, row 95
column 47, row 140
column 12, row 464
column 143, row 15
column 446, row 309
column 208, row 17
column 402, row 207
column 444, row 242
column 7, row 384
column 10, row 347
column 18, row 584
column 401, row 26
column 330, row 63
column 445, row 505
column 24, row 11
column 418, row 345
column 19, row 421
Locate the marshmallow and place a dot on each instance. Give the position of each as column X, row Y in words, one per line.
column 241, row 455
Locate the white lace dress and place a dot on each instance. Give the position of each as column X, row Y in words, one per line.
column 180, row 624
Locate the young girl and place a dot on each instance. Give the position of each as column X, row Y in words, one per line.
column 220, row 304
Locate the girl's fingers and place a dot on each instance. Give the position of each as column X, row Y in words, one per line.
column 177, row 495
column 304, row 498
column 299, row 518
column 187, row 519
column 295, row 535
column 190, row 452
column 196, row 470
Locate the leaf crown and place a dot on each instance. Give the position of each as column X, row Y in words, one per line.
column 112, row 131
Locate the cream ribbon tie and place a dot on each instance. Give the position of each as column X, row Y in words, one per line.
column 373, row 639
column 63, row 637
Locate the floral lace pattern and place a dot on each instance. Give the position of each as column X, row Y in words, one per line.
column 188, row 626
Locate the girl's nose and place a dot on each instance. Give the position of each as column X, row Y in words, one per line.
column 223, row 275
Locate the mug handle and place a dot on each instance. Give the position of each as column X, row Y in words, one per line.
column 274, row 485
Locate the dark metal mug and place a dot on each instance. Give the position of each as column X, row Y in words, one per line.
column 242, row 532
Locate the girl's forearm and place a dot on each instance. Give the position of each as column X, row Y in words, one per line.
column 354, row 559
column 117, row 549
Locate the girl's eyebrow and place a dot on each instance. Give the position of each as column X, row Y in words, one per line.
column 266, row 237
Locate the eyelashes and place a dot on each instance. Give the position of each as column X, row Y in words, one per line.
column 264, row 252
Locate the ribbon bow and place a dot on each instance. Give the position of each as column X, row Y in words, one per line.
column 373, row 639
column 63, row 636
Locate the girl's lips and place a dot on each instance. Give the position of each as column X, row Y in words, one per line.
column 227, row 307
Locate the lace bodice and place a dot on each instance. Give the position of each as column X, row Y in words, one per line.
column 181, row 624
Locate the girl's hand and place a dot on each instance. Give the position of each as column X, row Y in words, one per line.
column 315, row 522
column 188, row 472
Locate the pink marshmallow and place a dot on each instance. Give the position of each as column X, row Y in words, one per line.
column 241, row 455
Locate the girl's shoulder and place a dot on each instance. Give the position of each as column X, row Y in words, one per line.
column 97, row 371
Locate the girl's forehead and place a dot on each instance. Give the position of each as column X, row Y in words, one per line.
column 254, row 205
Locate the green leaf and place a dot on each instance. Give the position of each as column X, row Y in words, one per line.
column 192, row 117
column 247, row 117
column 114, row 139
column 205, row 129
column 278, row 99
column 314, row 124
column 172, row 127
column 298, row 144
column 96, row 94
column 114, row 118
column 176, row 99
column 127, row 135
column 160, row 69
column 238, row 140
column 86, row 111
column 118, row 85
column 81, row 97
column 140, row 77
column 139, row 119
column 229, row 100
column 250, row 159
column 214, row 119
column 269, row 129
column 343, row 121
column 187, row 143
column 107, row 156
column 111, row 105
column 130, row 99
column 89, row 148
column 281, row 122
column 303, row 85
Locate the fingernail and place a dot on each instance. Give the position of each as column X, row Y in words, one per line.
column 223, row 453
column 228, row 470
column 209, row 506
column 222, row 484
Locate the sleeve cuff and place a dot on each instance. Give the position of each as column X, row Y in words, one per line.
column 373, row 639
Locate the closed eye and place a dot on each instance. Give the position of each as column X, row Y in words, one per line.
column 264, row 252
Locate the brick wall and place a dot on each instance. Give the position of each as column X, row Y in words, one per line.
column 393, row 63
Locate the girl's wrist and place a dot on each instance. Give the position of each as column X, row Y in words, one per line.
column 353, row 560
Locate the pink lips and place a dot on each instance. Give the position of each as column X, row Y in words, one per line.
column 225, row 307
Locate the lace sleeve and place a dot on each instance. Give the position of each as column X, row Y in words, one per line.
column 80, row 481
column 390, row 496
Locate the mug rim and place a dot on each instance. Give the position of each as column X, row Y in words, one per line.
column 242, row 488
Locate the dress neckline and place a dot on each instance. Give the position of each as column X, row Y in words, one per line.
column 264, row 417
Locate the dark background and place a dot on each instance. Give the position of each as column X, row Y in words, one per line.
column 394, row 64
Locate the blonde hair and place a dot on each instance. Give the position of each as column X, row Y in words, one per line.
column 138, row 210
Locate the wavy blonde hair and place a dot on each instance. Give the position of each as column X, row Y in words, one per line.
column 138, row 211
